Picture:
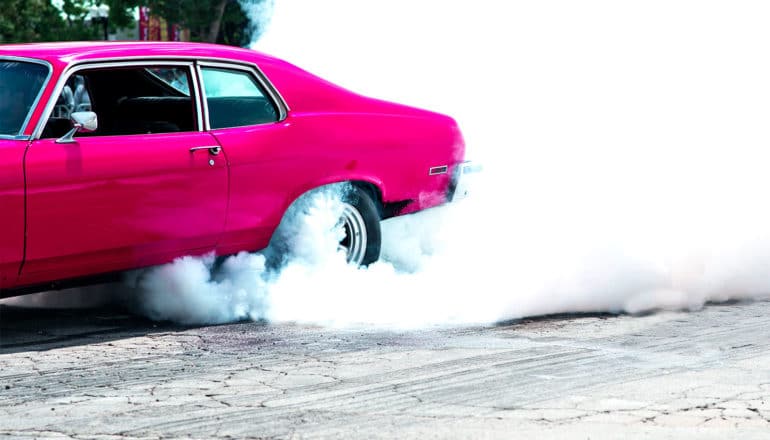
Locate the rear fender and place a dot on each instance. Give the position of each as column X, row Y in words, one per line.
column 372, row 185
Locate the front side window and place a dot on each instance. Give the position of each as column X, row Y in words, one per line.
column 236, row 99
column 20, row 83
column 127, row 100
column 74, row 97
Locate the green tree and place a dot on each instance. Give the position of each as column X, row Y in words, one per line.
column 220, row 21
column 204, row 18
column 121, row 12
column 38, row 20
column 236, row 28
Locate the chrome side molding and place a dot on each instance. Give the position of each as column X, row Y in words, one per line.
column 438, row 170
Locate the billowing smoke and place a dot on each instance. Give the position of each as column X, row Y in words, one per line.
column 623, row 146
column 202, row 290
column 260, row 13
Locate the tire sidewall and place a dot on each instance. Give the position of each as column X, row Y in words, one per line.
column 363, row 203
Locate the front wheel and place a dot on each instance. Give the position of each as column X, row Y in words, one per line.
column 361, row 223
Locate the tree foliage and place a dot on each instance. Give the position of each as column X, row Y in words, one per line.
column 221, row 21
column 213, row 21
column 38, row 20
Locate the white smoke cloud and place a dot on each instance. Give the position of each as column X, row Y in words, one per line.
column 260, row 12
column 624, row 154
column 624, row 146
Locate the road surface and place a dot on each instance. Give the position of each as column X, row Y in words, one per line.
column 100, row 373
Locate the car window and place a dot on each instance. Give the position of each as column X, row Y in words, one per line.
column 127, row 100
column 236, row 99
column 20, row 83
column 74, row 97
column 175, row 78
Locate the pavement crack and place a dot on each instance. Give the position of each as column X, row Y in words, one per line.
column 214, row 397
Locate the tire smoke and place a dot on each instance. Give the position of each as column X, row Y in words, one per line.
column 624, row 152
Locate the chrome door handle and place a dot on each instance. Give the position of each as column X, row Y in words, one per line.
column 213, row 149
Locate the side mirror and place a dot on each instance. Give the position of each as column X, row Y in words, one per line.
column 85, row 122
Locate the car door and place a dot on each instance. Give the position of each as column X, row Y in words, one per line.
column 147, row 186
column 22, row 81
column 248, row 120
column 12, row 212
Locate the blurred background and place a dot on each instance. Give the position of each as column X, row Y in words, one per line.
column 214, row 21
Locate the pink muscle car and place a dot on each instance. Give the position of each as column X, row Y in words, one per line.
column 116, row 156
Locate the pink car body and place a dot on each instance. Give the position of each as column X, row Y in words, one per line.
column 112, row 202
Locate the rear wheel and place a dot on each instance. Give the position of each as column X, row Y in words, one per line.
column 361, row 223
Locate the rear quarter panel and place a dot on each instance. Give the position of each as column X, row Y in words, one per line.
column 332, row 135
column 404, row 141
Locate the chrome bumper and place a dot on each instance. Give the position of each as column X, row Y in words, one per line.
column 461, row 178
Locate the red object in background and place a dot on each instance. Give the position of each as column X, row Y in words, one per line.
column 154, row 28
column 154, row 25
column 178, row 33
column 144, row 23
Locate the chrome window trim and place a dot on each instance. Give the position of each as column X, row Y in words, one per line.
column 202, row 97
column 283, row 106
column 35, row 103
column 101, row 64
column 194, row 94
column 253, row 69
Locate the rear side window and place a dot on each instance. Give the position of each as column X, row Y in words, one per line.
column 236, row 99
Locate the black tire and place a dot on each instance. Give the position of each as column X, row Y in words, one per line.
column 357, row 202
column 361, row 220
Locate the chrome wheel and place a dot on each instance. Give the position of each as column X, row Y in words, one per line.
column 355, row 223
column 354, row 242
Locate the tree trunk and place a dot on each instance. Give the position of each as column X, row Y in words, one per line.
column 219, row 12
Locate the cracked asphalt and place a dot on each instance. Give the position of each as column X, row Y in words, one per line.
column 103, row 374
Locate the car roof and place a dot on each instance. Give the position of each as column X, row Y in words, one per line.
column 70, row 52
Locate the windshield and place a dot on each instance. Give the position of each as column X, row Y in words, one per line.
column 20, row 83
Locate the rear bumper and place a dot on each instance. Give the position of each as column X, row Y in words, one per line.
column 459, row 187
